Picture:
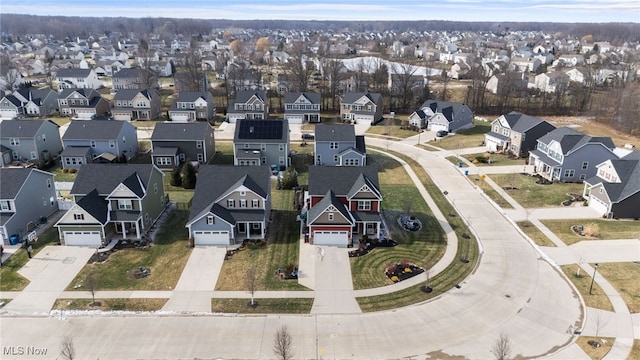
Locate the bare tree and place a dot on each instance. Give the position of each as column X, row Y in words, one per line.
column 282, row 344
column 333, row 75
column 600, row 323
column 404, row 83
column 67, row 350
column 90, row 282
column 251, row 281
column 502, row 347
column 299, row 68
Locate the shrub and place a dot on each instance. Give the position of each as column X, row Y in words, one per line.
column 591, row 230
column 65, row 171
column 73, row 171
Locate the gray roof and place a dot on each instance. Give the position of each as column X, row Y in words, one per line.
column 73, row 72
column 571, row 139
column 629, row 173
column 76, row 151
column 329, row 199
column 341, row 179
column 87, row 93
column 327, row 132
column 128, row 94
column 128, row 73
column 181, row 131
column 165, row 151
column 521, row 123
column 446, row 108
column 191, row 96
column 22, row 128
column 94, row 129
column 216, row 180
column 95, row 205
column 14, row 100
column 291, row 97
column 242, row 96
column 11, row 180
column 94, row 176
column 351, row 97
column 256, row 131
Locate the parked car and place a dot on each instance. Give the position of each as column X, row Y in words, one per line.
column 442, row 133
column 308, row 136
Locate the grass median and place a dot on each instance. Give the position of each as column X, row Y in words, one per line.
column 264, row 306
column 116, row 304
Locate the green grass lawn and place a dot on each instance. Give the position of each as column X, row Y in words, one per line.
column 535, row 234
column 596, row 353
column 224, row 153
column 391, row 127
column 465, row 138
column 60, row 175
column 265, row 306
column 10, row 280
column 624, row 278
column 166, row 258
column 281, row 251
column 110, row 304
column 493, row 159
column 608, row 229
column 492, row 193
column 531, row 195
column 582, row 281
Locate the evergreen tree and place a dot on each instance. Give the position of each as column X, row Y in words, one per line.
column 176, row 177
column 188, row 176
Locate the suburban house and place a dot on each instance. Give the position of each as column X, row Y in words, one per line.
column 302, row 107
column 248, row 104
column 77, row 78
column 234, row 207
column 567, row 155
column 338, row 145
column 261, row 142
column 134, row 78
column 516, row 133
column 110, row 67
column 615, row 190
column 97, row 141
column 343, row 205
column 11, row 107
column 192, row 106
column 134, row 104
column 121, row 206
column 361, row 108
column 29, row 141
column 173, row 143
column 37, row 102
column 442, row 115
column 82, row 103
column 26, row 196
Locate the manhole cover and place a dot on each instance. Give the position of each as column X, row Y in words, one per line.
column 69, row 260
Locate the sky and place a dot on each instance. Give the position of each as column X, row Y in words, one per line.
column 592, row 11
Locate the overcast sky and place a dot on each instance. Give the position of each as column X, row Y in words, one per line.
column 461, row 10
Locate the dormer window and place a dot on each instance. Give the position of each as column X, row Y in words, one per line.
column 211, row 220
column 78, row 216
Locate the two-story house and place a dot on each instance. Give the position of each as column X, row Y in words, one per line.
column 173, row 143
column 29, row 140
column 261, row 142
column 343, row 205
column 567, row 155
column 134, row 78
column 361, row 108
column 97, row 141
column 26, row 196
column 248, row 104
column 77, row 79
column 516, row 133
column 133, row 104
column 11, row 107
column 442, row 116
column 615, row 190
column 37, row 102
column 234, row 207
column 302, row 107
column 82, row 103
column 192, row 106
column 338, row 145
column 123, row 205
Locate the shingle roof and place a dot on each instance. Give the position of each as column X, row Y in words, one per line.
column 11, row 180
column 340, row 179
column 242, row 96
column 94, row 176
column 94, row 205
column 128, row 73
column 571, row 139
column 446, row 108
column 273, row 130
column 351, row 97
column 521, row 123
column 21, row 128
column 73, row 72
column 94, row 129
column 14, row 100
column 84, row 92
column 180, row 131
column 191, row 96
column 128, row 94
column 330, row 132
column 328, row 199
column 629, row 173
column 291, row 97
column 216, row 180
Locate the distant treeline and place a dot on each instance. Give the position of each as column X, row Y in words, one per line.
column 63, row 26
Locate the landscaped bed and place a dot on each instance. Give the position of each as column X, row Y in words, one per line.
column 526, row 192
column 115, row 304
column 606, row 229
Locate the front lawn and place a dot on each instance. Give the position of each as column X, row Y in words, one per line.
column 149, row 304
column 523, row 189
column 395, row 127
column 487, row 159
column 166, row 259
column 535, row 234
column 607, row 229
column 624, row 277
column 492, row 193
column 582, row 281
column 265, row 306
column 465, row 138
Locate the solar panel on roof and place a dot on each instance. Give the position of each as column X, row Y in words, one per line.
column 261, row 129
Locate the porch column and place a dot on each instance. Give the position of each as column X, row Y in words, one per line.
column 137, row 229
column 262, row 230
column 124, row 230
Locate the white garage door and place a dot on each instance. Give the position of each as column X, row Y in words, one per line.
column 438, row 127
column 211, row 237
column 597, row 205
column 335, row 238
column 82, row 238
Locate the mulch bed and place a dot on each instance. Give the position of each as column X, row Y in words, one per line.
column 402, row 271
column 370, row 246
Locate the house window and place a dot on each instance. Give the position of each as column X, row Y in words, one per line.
column 5, row 206
column 49, row 184
column 155, row 188
column 198, row 144
column 243, row 193
column 281, row 160
column 601, row 190
column 583, row 176
column 231, row 203
column 255, row 226
column 364, row 205
column 369, row 108
column 15, row 155
column 163, row 161
column 255, row 203
column 318, row 160
column 263, row 160
column 112, row 144
column 14, row 141
column 330, row 216
column 211, row 220
column 280, row 147
column 569, row 173
column 243, row 203
column 336, row 158
column 78, row 216
column 585, row 165
column 333, row 145
column 200, row 157
column 92, row 143
column 124, row 139
column 182, row 157
column 34, row 155
column 263, row 147
column 125, row 204
column 44, row 138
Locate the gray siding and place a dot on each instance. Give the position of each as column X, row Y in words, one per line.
column 627, row 209
column 218, row 225
column 594, row 154
column 323, row 148
column 271, row 153
column 153, row 202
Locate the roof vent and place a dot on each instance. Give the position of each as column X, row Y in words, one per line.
column 251, row 129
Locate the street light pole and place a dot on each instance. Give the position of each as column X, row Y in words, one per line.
column 595, row 268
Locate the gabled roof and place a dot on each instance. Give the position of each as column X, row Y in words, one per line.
column 242, row 96
column 291, row 97
column 191, row 96
column 360, row 144
column 329, row 199
column 273, row 130
column 571, row 140
column 351, row 97
column 128, row 73
column 521, row 123
column 359, row 183
column 629, row 173
column 14, row 100
column 73, row 72
column 94, row 129
column 22, row 128
column 87, row 93
column 95, row 205
column 106, row 177
column 340, row 179
column 216, row 180
column 134, row 184
column 11, row 181
column 331, row 132
column 180, row 131
column 449, row 109
column 128, row 94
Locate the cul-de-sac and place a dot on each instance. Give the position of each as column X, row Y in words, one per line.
column 177, row 188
